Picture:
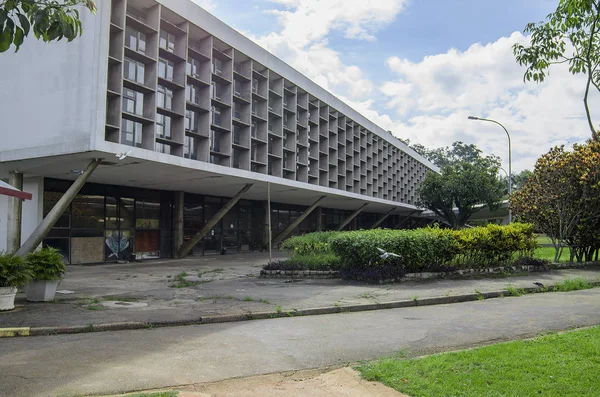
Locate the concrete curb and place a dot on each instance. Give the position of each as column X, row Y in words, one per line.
column 229, row 318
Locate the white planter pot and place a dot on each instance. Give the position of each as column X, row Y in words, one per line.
column 41, row 290
column 7, row 298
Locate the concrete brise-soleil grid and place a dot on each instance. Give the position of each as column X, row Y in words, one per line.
column 174, row 88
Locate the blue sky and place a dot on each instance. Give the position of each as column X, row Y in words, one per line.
column 415, row 67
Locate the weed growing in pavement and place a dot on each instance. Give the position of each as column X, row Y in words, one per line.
column 572, row 284
column 91, row 303
column 213, row 271
column 95, row 307
column 480, row 296
column 514, row 291
column 414, row 297
column 180, row 282
column 248, row 299
column 367, row 295
column 265, row 301
column 121, row 298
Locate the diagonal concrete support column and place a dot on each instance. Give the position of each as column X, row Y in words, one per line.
column 187, row 247
column 178, row 221
column 286, row 232
column 44, row 228
column 15, row 213
column 351, row 217
column 383, row 218
column 319, row 219
column 405, row 219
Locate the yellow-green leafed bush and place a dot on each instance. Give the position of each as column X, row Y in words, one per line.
column 493, row 245
column 311, row 243
column 431, row 249
column 419, row 249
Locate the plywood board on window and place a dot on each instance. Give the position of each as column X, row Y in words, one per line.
column 87, row 250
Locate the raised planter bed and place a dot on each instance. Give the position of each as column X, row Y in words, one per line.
column 330, row 274
column 308, row 274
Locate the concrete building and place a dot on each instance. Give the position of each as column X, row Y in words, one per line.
column 199, row 112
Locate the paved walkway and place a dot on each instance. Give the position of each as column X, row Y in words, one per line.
column 229, row 285
column 187, row 357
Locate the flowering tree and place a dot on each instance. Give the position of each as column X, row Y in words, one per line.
column 562, row 199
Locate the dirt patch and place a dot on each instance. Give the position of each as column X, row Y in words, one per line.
column 343, row 382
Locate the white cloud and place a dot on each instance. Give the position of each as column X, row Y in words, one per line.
column 435, row 97
column 302, row 42
column 429, row 101
column 307, row 21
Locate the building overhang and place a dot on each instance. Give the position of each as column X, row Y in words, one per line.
column 158, row 171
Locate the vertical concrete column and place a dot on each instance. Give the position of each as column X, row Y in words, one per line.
column 178, row 222
column 265, row 225
column 15, row 213
column 319, row 212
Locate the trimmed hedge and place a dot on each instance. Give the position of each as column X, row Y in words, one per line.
column 434, row 249
column 311, row 243
column 422, row 250
column 494, row 245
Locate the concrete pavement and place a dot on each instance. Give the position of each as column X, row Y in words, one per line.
column 229, row 285
column 113, row 362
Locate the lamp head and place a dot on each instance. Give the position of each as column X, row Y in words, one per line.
column 473, row 118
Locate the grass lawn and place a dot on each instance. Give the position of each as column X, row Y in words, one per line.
column 548, row 253
column 561, row 365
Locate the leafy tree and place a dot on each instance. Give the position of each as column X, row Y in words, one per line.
column 442, row 156
column 463, row 186
column 518, row 180
column 570, row 35
column 562, row 199
column 49, row 20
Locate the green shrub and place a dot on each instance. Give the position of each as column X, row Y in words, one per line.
column 435, row 249
column 46, row 264
column 325, row 261
column 419, row 250
column 494, row 245
column 432, row 249
column 14, row 272
column 311, row 243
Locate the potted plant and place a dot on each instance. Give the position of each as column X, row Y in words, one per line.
column 14, row 273
column 47, row 267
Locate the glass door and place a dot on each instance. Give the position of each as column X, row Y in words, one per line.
column 212, row 242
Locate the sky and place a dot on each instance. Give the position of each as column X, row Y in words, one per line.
column 419, row 68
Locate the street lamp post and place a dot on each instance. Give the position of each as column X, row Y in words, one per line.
column 509, row 159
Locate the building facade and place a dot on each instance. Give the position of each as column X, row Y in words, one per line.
column 195, row 108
